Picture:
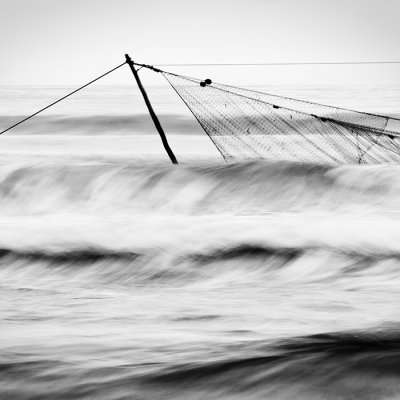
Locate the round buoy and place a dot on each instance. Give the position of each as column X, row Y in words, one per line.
column 202, row 84
column 208, row 81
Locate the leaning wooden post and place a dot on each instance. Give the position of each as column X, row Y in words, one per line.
column 151, row 111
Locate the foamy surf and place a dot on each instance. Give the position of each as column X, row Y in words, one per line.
column 117, row 184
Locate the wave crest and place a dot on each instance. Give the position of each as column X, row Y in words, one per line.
column 249, row 188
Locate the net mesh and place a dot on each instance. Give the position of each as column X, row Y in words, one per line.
column 245, row 124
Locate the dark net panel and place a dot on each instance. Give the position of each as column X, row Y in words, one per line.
column 245, row 124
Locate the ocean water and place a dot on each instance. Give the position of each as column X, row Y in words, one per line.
column 124, row 277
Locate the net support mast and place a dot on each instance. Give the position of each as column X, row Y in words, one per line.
column 151, row 111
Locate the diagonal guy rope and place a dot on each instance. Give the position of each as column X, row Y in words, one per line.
column 62, row 98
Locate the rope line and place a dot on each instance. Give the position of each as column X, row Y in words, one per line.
column 278, row 63
column 62, row 98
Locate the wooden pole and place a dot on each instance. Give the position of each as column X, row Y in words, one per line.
column 151, row 111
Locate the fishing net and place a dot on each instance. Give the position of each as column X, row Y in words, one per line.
column 245, row 124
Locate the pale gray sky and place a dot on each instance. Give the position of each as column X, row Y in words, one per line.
column 72, row 41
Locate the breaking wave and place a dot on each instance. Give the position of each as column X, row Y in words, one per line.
column 250, row 188
column 240, row 265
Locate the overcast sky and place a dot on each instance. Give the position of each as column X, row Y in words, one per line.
column 72, row 41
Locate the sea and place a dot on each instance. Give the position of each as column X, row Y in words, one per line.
column 123, row 276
